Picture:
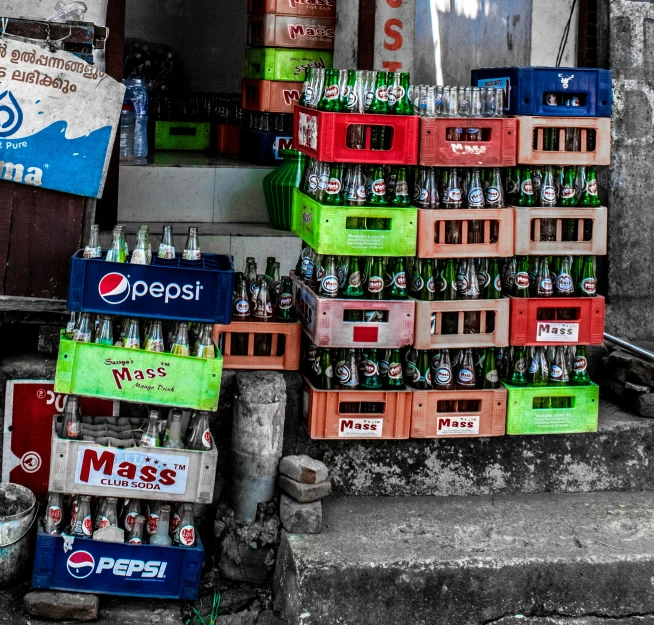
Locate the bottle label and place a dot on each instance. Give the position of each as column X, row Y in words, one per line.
column 551, row 99
column 206, row 439
column 55, row 514
column 154, row 345
column 591, row 187
column 580, row 364
column 476, row 197
column 334, row 186
column 527, row 187
column 417, row 282
column 87, row 526
column 536, row 182
column 412, row 372
column 352, row 99
column 313, row 182
column 556, row 372
column 343, row 373
column 329, row 284
column 431, row 284
column 285, row 301
column 511, row 186
column 443, row 375
column 564, row 283
column 483, row 278
column 521, row 365
column 92, row 252
column 313, row 349
column 149, row 441
column 329, row 372
column 192, row 255
column 317, row 369
column 370, row 316
column 402, row 188
column 567, row 192
column 139, row 257
column 466, row 376
column 375, row 284
column 545, row 285
column 454, row 194
column 442, row 284
column 355, row 279
column 510, row 279
column 73, row 429
column 174, row 524
column 153, row 521
column 589, row 285
column 242, row 307
column 472, row 131
column 533, row 367
column 369, row 98
column 167, row 252
column 498, row 283
column 361, row 192
column 131, row 343
column 423, row 196
column 493, row 194
column 371, row 368
column 135, row 540
column 522, row 280
column 381, row 93
column 332, row 92
column 187, row 535
column 548, row 194
column 462, row 283
column 320, row 272
column 492, row 376
column 399, row 280
column 206, row 351
column 395, row 371
column 100, row 522
column 82, row 337
column 379, row 187
column 323, row 181
column 427, row 376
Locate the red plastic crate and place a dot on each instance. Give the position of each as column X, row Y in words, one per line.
column 487, row 418
column 289, row 360
column 583, row 324
column 356, row 415
column 498, row 149
column 325, row 8
column 323, row 136
column 270, row 96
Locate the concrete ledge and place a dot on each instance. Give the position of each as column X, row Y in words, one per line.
column 471, row 560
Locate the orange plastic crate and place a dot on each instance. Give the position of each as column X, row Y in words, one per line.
column 326, row 8
column 270, row 96
column 343, row 415
column 432, row 417
column 288, row 361
column 527, row 239
column 433, row 222
column 498, row 337
column 528, row 155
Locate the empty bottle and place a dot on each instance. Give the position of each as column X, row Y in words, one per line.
column 167, row 247
column 152, row 518
column 54, row 514
column 132, row 339
column 579, row 375
column 185, row 532
column 107, row 513
column 161, row 536
column 150, row 437
column 180, row 345
column 84, row 330
column 93, row 248
column 131, row 509
column 371, row 376
column 173, row 439
column 155, row 341
column 71, row 425
column 83, row 526
column 116, row 253
column 192, row 247
column 135, row 536
column 199, row 437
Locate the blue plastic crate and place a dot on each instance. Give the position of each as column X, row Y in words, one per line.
column 117, row 568
column 528, row 88
column 166, row 289
column 264, row 147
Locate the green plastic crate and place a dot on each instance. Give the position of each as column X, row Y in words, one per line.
column 138, row 376
column 284, row 63
column 182, row 135
column 580, row 416
column 325, row 228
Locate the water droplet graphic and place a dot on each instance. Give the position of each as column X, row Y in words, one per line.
column 9, row 107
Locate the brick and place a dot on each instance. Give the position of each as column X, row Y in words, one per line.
column 304, row 493
column 62, row 606
column 300, row 518
column 303, row 469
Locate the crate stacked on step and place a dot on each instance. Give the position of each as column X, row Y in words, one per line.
column 286, row 38
column 353, row 212
column 564, row 133
column 131, row 339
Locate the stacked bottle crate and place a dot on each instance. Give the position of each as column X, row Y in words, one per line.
column 286, row 38
column 127, row 457
column 563, row 127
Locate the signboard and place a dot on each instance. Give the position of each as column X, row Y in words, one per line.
column 395, row 28
column 58, row 119
column 30, row 406
column 355, row 427
column 557, row 332
column 94, row 11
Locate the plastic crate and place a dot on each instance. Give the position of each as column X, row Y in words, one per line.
column 228, row 139
column 432, row 225
column 289, row 360
column 323, row 136
column 324, row 8
column 430, row 418
column 182, row 135
column 83, row 565
column 527, row 232
column 531, row 133
column 575, row 320
column 343, row 415
column 496, row 149
column 87, row 468
column 284, row 63
column 576, row 409
column 528, row 88
column 270, row 96
column 137, row 376
column 326, row 228
column 495, row 336
column 264, row 148
column 166, row 289
column 322, row 319
column 291, row 31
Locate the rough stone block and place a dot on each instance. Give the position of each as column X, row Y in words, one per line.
column 268, row 617
column 303, row 469
column 300, row 518
column 614, row 389
column 62, row 606
column 304, row 493
column 641, row 372
column 243, row 562
column 242, row 618
column 646, row 405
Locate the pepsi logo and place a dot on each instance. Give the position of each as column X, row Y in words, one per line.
column 80, row 564
column 114, row 288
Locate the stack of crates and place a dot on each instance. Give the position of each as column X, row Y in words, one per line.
column 542, row 100
column 286, row 38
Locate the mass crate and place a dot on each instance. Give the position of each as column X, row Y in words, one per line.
column 355, row 230
column 557, row 320
column 135, row 375
column 552, row 410
column 324, row 136
column 284, row 63
column 182, row 135
column 479, row 323
column 356, row 415
column 291, row 31
column 270, row 96
column 498, row 233
column 166, row 289
column 546, row 90
column 458, row 414
column 264, row 147
column 325, row 321
column 88, row 468
column 83, row 565
column 318, row 8
column 496, row 146
column 590, row 241
column 594, row 141
column 284, row 340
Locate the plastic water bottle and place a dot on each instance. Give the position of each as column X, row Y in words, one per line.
column 127, row 126
column 137, row 94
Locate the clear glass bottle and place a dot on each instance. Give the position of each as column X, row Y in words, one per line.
column 173, row 438
column 192, row 247
column 162, row 536
column 150, row 437
column 167, row 246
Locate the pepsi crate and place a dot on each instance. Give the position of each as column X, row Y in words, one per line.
column 166, row 289
column 542, row 91
column 84, row 565
column 264, row 147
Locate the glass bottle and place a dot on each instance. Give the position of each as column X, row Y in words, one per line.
column 192, row 247
column 150, row 437
column 132, row 339
column 161, row 537
column 93, row 248
column 180, row 345
column 167, row 246
column 185, row 532
column 71, row 425
column 135, row 536
column 173, row 439
column 200, row 436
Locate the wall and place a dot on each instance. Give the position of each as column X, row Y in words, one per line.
column 209, row 35
column 548, row 20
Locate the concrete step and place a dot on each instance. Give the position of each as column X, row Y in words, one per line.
column 472, row 561
column 617, row 457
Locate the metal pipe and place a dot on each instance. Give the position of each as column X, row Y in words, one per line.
column 629, row 347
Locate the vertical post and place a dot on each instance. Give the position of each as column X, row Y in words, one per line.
column 395, row 32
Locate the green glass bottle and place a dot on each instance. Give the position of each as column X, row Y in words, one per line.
column 377, row 190
column 379, row 102
column 353, row 287
column 588, row 193
column 493, row 290
column 279, row 186
column 330, row 100
column 521, row 282
column 489, row 376
column 579, row 375
column 334, row 191
column 558, row 372
column 284, row 307
column 401, row 193
column 539, row 368
column 568, row 194
column 518, row 375
column 349, row 96
column 447, row 287
column 526, row 197
column 428, row 291
column 375, row 281
column 395, row 375
column 404, row 105
column 424, row 371
column 587, row 285
column 371, row 378
column 397, row 289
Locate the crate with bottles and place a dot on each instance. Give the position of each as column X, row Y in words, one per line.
column 168, row 285
column 264, row 332
column 86, row 544
column 265, row 136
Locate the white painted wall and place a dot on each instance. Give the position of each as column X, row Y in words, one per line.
column 548, row 20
